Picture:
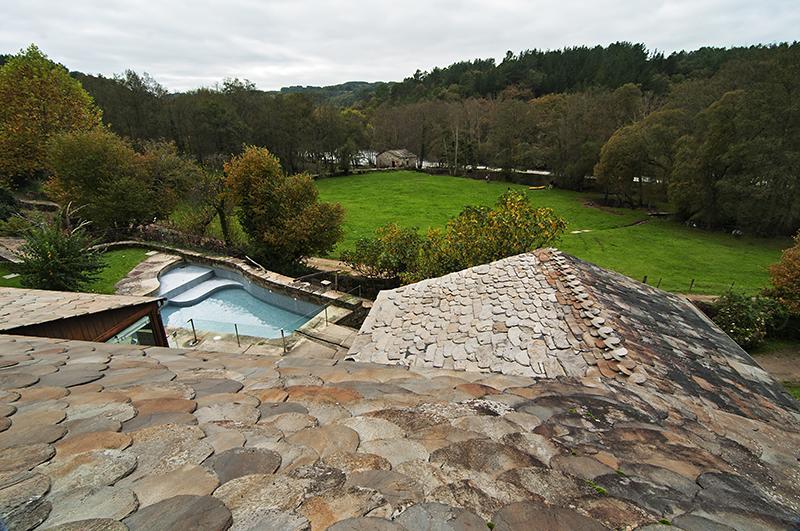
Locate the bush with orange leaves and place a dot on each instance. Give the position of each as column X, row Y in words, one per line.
column 786, row 277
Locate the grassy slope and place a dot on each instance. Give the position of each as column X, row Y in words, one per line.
column 656, row 248
column 119, row 262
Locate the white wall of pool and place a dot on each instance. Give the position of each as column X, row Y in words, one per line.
column 215, row 299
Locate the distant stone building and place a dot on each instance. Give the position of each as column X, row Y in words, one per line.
column 396, row 158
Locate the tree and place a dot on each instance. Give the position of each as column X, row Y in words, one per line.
column 739, row 168
column 38, row 99
column 169, row 175
column 119, row 187
column 785, row 276
column 639, row 152
column 281, row 214
column 572, row 128
column 209, row 198
column 58, row 256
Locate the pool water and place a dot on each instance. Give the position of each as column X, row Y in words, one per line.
column 219, row 311
column 216, row 299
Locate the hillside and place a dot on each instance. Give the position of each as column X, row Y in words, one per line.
column 341, row 95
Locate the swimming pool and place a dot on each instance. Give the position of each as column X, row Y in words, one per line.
column 216, row 299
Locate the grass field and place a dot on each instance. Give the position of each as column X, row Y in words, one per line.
column 119, row 262
column 660, row 249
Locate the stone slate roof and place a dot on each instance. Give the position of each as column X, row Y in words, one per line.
column 24, row 307
column 528, row 315
column 104, row 437
column 93, row 434
column 400, row 153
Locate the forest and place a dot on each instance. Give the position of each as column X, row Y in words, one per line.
column 712, row 135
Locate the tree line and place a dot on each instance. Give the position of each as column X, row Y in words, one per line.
column 710, row 134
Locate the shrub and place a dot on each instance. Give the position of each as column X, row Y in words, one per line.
column 280, row 214
column 17, row 225
column 785, row 276
column 392, row 252
column 748, row 320
column 58, row 257
column 8, row 203
column 476, row 236
column 479, row 235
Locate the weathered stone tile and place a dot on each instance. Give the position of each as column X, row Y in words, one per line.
column 239, row 462
column 97, row 468
column 162, row 449
column 188, row 480
column 327, row 440
column 90, row 503
column 182, row 512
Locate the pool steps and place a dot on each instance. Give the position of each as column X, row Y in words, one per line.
column 190, row 277
column 199, row 292
column 188, row 285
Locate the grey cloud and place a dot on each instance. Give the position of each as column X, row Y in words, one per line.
column 186, row 44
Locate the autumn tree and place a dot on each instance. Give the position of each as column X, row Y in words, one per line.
column 478, row 235
column 281, row 214
column 38, row 99
column 785, row 276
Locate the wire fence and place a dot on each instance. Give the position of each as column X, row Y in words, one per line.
column 693, row 285
column 254, row 330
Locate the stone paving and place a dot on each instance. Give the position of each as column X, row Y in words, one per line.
column 528, row 315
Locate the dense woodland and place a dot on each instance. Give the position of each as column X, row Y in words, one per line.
column 712, row 134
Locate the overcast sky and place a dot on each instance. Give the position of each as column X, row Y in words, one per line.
column 190, row 43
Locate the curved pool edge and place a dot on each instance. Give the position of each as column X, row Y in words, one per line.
column 263, row 277
column 143, row 281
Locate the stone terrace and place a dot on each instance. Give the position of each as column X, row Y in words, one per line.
column 104, row 437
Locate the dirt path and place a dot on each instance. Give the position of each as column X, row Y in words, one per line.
column 328, row 264
column 784, row 366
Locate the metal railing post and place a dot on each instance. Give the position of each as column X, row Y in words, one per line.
column 194, row 332
column 283, row 337
column 326, row 315
column 236, row 329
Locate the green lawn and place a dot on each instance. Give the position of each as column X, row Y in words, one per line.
column 119, row 262
column 794, row 389
column 659, row 249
